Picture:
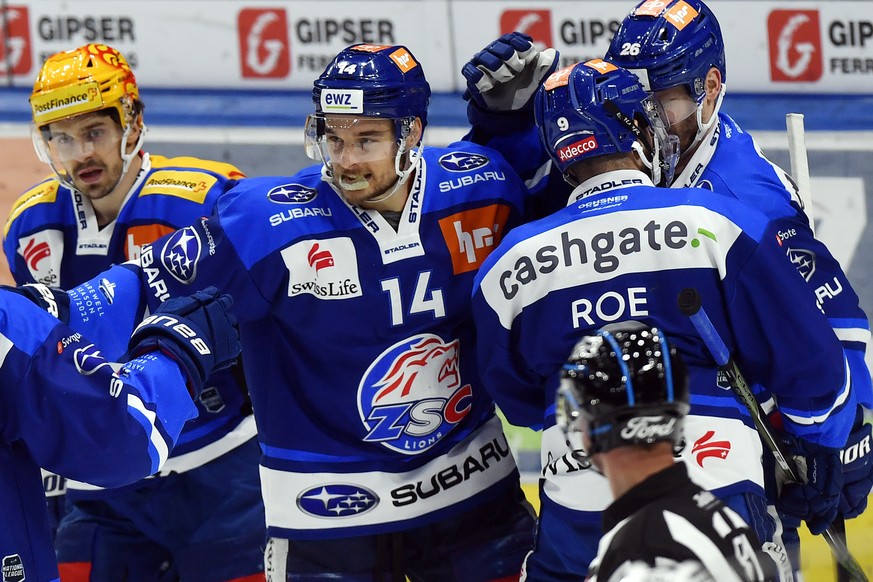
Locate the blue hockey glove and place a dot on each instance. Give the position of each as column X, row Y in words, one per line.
column 857, row 469
column 51, row 299
column 816, row 500
column 198, row 331
column 505, row 75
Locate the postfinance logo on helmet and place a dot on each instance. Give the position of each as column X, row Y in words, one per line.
column 89, row 78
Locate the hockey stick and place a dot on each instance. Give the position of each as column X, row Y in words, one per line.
column 690, row 305
column 800, row 171
column 799, row 162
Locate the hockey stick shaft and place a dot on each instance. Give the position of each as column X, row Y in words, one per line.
column 690, row 305
column 799, row 161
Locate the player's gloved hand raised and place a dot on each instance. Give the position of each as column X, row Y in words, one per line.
column 816, row 500
column 53, row 300
column 197, row 331
column 857, row 469
column 505, row 75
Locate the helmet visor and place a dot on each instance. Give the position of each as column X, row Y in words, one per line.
column 347, row 140
column 676, row 104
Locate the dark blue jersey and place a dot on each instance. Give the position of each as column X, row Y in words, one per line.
column 66, row 408
column 52, row 237
column 358, row 338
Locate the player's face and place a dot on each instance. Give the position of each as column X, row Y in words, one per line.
column 680, row 110
column 361, row 152
column 87, row 148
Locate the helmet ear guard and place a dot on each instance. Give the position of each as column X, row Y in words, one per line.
column 623, row 386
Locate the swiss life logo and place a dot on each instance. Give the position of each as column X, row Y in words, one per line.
column 535, row 23
column 264, row 50
column 795, row 46
column 15, row 45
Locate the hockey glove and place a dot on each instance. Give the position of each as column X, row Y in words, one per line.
column 198, row 331
column 816, row 500
column 51, row 299
column 857, row 469
column 505, row 75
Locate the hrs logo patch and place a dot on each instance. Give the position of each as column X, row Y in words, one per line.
column 412, row 395
column 472, row 235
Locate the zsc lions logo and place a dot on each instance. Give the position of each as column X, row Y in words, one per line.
column 462, row 161
column 412, row 395
column 181, row 253
column 337, row 500
column 292, row 194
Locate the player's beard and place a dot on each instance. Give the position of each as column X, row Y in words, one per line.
column 363, row 187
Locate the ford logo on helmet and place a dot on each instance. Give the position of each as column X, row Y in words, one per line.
column 337, row 500
column 462, row 161
column 292, row 194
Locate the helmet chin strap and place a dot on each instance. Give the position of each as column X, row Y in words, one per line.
column 703, row 128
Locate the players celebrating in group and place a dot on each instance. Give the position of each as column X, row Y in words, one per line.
column 384, row 305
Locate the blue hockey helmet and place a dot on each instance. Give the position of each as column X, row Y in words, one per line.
column 373, row 81
column 627, row 384
column 596, row 108
column 673, row 42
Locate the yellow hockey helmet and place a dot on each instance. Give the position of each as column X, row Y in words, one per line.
column 82, row 80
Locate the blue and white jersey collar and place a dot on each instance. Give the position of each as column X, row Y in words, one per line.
column 695, row 167
column 608, row 181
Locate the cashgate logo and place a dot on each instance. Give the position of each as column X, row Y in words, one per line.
column 263, row 43
column 795, row 45
column 536, row 23
column 15, row 43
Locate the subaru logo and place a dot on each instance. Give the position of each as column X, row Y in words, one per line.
column 181, row 253
column 462, row 161
column 292, row 194
column 89, row 359
column 337, row 500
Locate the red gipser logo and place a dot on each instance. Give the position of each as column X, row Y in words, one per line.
column 535, row 23
column 264, row 50
column 795, row 46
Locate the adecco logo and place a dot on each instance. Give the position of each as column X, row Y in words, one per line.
column 263, row 43
column 795, row 45
column 15, row 45
column 536, row 23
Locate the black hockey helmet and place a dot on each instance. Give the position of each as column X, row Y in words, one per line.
column 627, row 384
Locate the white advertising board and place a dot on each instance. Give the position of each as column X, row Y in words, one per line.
column 772, row 46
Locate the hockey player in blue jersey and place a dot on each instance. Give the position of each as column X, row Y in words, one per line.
column 66, row 407
column 106, row 199
column 382, row 455
column 623, row 249
column 677, row 50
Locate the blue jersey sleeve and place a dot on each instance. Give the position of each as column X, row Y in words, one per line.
column 78, row 413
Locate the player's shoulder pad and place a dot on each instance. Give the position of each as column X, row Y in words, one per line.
column 187, row 178
column 464, row 156
column 46, row 192
column 191, row 163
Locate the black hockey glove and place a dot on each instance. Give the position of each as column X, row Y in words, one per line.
column 198, row 331
column 857, row 469
column 51, row 299
column 816, row 500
